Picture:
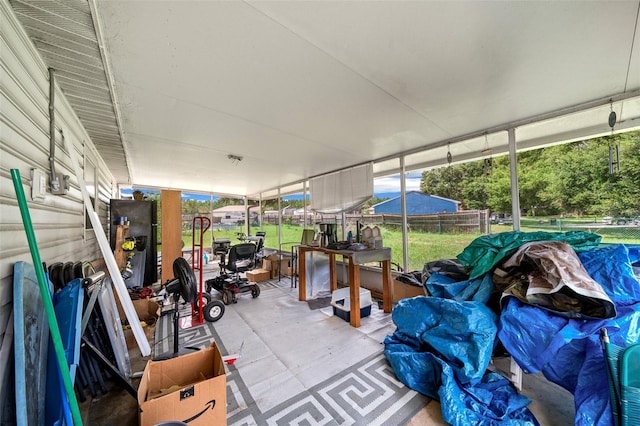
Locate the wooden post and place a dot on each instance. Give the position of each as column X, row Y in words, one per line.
column 122, row 232
column 171, row 211
column 354, row 292
column 302, row 274
column 387, row 288
column 333, row 273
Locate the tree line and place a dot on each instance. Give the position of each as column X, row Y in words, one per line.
column 569, row 179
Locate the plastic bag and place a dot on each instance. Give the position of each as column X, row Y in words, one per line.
column 555, row 279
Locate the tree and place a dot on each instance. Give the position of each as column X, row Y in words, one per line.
column 571, row 178
column 499, row 186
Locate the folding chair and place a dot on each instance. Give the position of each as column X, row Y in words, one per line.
column 623, row 373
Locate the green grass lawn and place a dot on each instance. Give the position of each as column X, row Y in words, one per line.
column 427, row 247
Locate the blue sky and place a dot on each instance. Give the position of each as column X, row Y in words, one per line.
column 388, row 186
column 391, row 184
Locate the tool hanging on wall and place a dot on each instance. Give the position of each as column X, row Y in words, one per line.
column 614, row 151
column 129, row 244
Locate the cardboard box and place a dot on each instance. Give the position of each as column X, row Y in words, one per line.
column 266, row 265
column 145, row 308
column 403, row 290
column 258, row 275
column 276, row 265
column 190, row 388
column 283, row 267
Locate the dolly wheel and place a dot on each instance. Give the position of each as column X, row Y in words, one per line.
column 227, row 297
column 213, row 311
column 255, row 291
column 206, row 298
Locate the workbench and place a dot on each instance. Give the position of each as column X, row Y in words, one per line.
column 355, row 259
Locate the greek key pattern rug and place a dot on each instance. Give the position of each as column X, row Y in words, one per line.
column 366, row 393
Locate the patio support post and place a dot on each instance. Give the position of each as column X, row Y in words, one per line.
column 403, row 212
column 513, row 170
column 279, row 221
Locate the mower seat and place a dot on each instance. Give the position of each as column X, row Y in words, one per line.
column 242, row 258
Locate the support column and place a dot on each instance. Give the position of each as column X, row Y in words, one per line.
column 513, row 170
column 403, row 212
column 171, row 222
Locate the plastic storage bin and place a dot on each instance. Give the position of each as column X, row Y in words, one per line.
column 340, row 300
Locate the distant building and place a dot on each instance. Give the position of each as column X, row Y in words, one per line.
column 418, row 203
column 234, row 213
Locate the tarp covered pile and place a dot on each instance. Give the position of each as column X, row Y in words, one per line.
column 544, row 296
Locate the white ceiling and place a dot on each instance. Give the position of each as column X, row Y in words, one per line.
column 302, row 88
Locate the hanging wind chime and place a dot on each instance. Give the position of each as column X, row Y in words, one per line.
column 487, row 165
column 614, row 152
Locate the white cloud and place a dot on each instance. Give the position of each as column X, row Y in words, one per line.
column 392, row 183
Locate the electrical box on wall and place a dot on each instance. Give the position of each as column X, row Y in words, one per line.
column 38, row 185
column 61, row 186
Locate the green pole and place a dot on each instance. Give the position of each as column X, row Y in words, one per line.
column 46, row 298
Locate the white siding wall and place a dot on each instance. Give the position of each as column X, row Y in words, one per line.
column 58, row 221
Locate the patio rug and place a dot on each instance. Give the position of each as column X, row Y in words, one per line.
column 366, row 392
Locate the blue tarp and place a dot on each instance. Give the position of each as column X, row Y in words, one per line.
column 441, row 347
column 568, row 351
column 477, row 289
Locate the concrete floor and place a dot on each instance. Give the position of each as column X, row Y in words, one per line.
column 272, row 369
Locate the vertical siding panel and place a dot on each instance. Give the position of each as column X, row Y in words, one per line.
column 24, row 144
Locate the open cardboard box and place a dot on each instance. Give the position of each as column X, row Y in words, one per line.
column 147, row 309
column 276, row 265
column 403, row 290
column 190, row 388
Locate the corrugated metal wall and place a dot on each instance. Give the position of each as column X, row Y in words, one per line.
column 59, row 221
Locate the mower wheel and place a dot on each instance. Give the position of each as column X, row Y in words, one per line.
column 227, row 297
column 255, row 291
column 213, row 311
